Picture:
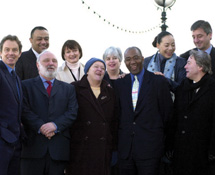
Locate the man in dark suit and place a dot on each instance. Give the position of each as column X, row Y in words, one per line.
column 10, row 106
column 26, row 66
column 49, row 109
column 142, row 119
column 202, row 35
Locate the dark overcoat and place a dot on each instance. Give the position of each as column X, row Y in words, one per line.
column 93, row 134
column 195, row 124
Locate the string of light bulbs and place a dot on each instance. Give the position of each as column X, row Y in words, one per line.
column 118, row 27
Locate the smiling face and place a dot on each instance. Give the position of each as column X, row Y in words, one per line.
column 201, row 39
column 40, row 40
column 167, row 46
column 47, row 65
column 72, row 55
column 96, row 72
column 133, row 61
column 193, row 71
column 10, row 53
column 112, row 63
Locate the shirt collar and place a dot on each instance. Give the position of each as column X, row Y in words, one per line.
column 9, row 68
column 208, row 51
column 139, row 76
column 44, row 80
column 36, row 54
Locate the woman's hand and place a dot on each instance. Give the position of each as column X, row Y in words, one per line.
column 158, row 73
column 122, row 75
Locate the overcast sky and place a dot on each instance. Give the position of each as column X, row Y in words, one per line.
column 71, row 19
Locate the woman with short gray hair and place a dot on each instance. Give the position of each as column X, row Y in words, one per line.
column 113, row 58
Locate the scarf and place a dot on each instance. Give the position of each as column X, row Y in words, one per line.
column 155, row 63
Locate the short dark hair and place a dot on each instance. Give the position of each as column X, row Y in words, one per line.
column 134, row 47
column 203, row 25
column 11, row 38
column 37, row 28
column 203, row 60
column 159, row 38
column 71, row 44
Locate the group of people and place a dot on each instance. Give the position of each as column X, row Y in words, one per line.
column 93, row 119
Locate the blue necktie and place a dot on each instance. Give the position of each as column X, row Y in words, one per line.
column 14, row 76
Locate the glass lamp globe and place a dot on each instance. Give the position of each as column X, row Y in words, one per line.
column 165, row 3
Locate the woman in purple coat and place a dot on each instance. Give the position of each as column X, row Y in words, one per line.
column 93, row 135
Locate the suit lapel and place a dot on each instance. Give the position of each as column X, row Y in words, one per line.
column 12, row 85
column 9, row 79
column 39, row 84
column 127, row 90
column 143, row 91
column 55, row 87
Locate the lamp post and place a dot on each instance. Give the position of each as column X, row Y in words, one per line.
column 164, row 5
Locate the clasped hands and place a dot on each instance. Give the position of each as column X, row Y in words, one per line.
column 48, row 129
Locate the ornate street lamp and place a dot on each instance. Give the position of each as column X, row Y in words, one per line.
column 164, row 5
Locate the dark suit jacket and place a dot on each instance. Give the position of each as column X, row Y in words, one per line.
column 26, row 65
column 38, row 109
column 142, row 130
column 179, row 71
column 212, row 54
column 10, row 107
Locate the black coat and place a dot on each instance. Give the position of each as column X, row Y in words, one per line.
column 195, row 127
column 93, row 135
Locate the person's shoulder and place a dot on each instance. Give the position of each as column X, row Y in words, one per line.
column 28, row 81
column 181, row 60
column 63, row 83
column 62, row 67
column 26, row 54
column 125, row 78
column 148, row 58
column 186, row 54
column 155, row 78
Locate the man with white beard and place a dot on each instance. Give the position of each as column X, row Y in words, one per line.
column 49, row 109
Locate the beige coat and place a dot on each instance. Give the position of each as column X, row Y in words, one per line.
column 65, row 75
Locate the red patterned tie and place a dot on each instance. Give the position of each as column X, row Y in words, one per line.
column 49, row 88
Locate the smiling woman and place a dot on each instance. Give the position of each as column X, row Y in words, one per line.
column 95, row 34
column 93, row 135
column 71, row 70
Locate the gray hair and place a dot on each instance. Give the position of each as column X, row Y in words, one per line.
column 203, row 60
column 42, row 53
column 113, row 51
column 203, row 25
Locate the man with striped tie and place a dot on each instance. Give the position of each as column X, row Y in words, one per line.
column 145, row 107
